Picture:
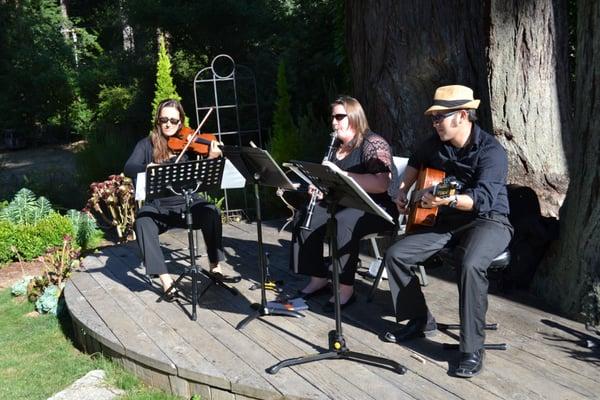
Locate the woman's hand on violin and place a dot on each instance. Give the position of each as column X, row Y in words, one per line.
column 214, row 150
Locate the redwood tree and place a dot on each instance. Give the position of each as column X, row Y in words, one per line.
column 572, row 270
column 513, row 55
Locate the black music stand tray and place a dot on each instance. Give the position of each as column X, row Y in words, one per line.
column 187, row 178
column 338, row 189
column 258, row 167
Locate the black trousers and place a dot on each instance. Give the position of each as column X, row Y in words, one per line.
column 476, row 243
column 153, row 219
column 306, row 257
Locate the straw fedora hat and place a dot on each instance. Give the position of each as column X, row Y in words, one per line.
column 453, row 97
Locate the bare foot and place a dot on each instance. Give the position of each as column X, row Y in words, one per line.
column 346, row 291
column 315, row 284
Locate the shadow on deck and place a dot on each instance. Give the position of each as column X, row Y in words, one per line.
column 115, row 310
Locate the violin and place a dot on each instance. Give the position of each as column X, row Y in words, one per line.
column 187, row 138
column 200, row 144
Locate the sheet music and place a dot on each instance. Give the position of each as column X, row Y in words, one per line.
column 140, row 187
column 298, row 172
column 352, row 184
column 232, row 179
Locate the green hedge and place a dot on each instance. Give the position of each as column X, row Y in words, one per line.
column 33, row 240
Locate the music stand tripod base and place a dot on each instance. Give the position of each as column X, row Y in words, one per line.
column 338, row 189
column 258, row 167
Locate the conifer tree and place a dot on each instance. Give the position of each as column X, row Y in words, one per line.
column 164, row 87
column 285, row 141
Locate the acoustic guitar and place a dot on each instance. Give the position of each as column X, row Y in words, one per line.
column 433, row 181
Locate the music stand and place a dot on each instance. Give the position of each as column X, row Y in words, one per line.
column 258, row 167
column 338, row 189
column 187, row 178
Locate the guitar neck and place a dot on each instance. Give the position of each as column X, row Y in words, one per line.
column 441, row 190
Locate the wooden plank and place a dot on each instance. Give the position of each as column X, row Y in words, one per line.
column 175, row 347
column 577, row 384
column 315, row 329
column 524, row 374
column 85, row 317
column 243, row 379
column 137, row 344
column 540, row 363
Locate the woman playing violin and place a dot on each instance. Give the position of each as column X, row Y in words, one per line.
column 159, row 215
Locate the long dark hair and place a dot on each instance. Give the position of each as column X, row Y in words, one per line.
column 160, row 150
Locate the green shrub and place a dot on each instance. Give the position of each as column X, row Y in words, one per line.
column 25, row 208
column 85, row 231
column 7, row 234
column 31, row 241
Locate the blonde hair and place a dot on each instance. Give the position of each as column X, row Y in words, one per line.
column 356, row 118
column 160, row 150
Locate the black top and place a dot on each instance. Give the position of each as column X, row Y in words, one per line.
column 481, row 166
column 137, row 162
column 371, row 157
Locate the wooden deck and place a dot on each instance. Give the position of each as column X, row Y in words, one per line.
column 114, row 309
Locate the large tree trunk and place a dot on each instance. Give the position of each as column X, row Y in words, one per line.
column 529, row 93
column 400, row 52
column 567, row 275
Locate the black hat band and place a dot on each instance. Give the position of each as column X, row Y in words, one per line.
column 450, row 103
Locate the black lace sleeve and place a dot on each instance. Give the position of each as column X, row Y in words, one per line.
column 376, row 154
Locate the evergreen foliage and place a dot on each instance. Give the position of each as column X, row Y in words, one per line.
column 285, row 142
column 25, row 209
column 37, row 68
column 164, row 86
column 85, row 229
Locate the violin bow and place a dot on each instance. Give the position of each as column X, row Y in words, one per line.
column 192, row 137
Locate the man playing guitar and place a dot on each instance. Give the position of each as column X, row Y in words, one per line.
column 474, row 221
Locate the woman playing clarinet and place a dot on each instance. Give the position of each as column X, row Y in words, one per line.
column 366, row 157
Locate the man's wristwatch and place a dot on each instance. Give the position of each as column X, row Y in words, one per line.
column 453, row 202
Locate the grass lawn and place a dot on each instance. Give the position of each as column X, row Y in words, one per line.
column 38, row 358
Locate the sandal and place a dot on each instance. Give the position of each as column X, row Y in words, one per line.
column 224, row 278
column 306, row 296
column 171, row 295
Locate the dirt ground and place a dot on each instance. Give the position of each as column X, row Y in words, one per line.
column 16, row 271
column 14, row 165
column 22, row 161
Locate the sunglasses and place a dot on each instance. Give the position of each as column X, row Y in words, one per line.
column 437, row 118
column 164, row 120
column 339, row 117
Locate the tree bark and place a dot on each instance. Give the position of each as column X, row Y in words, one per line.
column 566, row 276
column 529, row 93
column 514, row 57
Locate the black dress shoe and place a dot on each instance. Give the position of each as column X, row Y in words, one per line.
column 415, row 328
column 319, row 291
column 329, row 307
column 470, row 364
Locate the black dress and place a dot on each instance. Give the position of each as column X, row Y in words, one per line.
column 159, row 215
column 306, row 257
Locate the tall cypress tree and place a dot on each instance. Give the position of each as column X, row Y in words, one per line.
column 285, row 141
column 165, row 88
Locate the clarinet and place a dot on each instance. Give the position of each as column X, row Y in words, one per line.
column 314, row 197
